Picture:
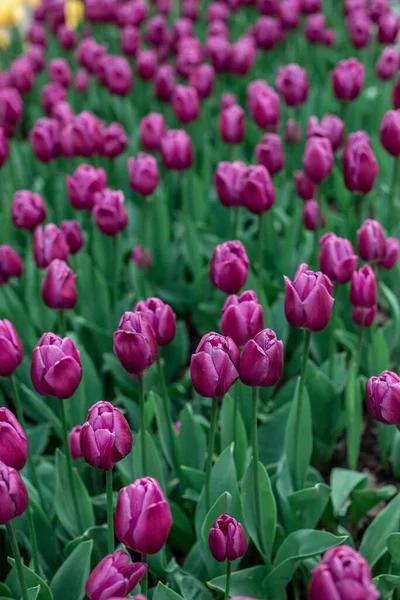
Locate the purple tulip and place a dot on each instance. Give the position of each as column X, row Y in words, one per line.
column 63, row 114
column 232, row 125
column 258, row 192
column 83, row 186
column 13, row 440
column 267, row 7
column 115, row 574
column 59, row 286
column 11, row 109
column 293, row 133
column 391, row 254
column 22, row 75
column 396, row 95
column 228, row 182
column 59, row 72
column 133, row 12
column 186, row 104
column 164, row 85
column 263, row 104
column 242, row 317
column 330, row 126
column 49, row 243
column 84, row 136
column 214, row 365
column 227, row 539
column 135, row 344
column 106, row 437
column 56, row 367
column 130, row 40
column 318, row 159
column 267, row 33
column 359, row 27
column 308, row 299
column 45, row 140
column 109, row 212
column 371, row 241
column 261, row 363
column 363, row 289
column 74, row 441
column 144, row 177
column 242, row 56
column 11, row 349
column 388, row 28
column 176, row 150
column 202, row 79
column 81, row 81
column 11, row 264
column 115, row 140
column 364, row 316
column 118, row 76
column 4, row 148
column 270, row 153
column 13, row 494
column 141, row 257
column 52, row 94
column 305, row 188
column 342, row 574
column 229, row 267
column 347, row 79
column 390, row 132
column 152, row 129
column 289, row 14
column 388, row 64
column 336, row 258
column 146, row 64
column 311, row 210
column 27, row 210
column 383, row 398
column 73, row 235
column 66, row 37
column 292, row 84
column 314, row 28
column 161, row 318
column 360, row 167
column 36, row 34
column 142, row 516
column 227, row 100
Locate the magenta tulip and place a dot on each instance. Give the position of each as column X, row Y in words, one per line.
column 261, row 363
column 115, row 574
column 13, row 494
column 336, row 258
column 214, row 367
column 83, row 186
column 11, row 264
column 135, row 344
column 143, row 174
column 11, row 349
column 227, row 539
column 363, row 289
column 13, row 440
column 161, row 318
column 229, row 267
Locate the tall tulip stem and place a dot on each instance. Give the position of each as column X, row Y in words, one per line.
column 17, row 558
column 228, row 579
column 303, row 372
column 110, row 511
column 168, row 416
column 254, row 442
column 332, row 344
column 260, row 241
column 145, row 579
column 210, row 450
column 70, row 472
column 142, row 424
column 33, row 538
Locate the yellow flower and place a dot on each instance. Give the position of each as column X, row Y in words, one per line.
column 6, row 13
column 73, row 13
column 33, row 3
column 5, row 38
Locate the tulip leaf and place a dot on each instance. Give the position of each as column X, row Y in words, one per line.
column 226, row 420
column 163, row 426
column 70, row 580
column 364, row 500
column 154, row 465
column 343, row 482
column 192, row 589
column 41, row 408
column 164, row 593
column 31, row 580
column 308, row 505
column 33, row 593
column 378, row 353
column 298, row 439
column 243, row 583
column 5, row 591
column 374, row 541
column 386, row 584
column 192, row 440
column 392, row 332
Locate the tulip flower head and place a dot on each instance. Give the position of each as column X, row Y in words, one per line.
column 383, row 398
column 13, row 441
column 13, row 493
column 11, row 349
column 229, row 267
column 214, row 366
column 227, row 539
column 115, row 574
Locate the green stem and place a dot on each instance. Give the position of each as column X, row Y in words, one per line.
column 70, row 472
column 62, row 328
column 210, row 451
column 260, row 241
column 17, row 558
column 228, row 579
column 168, row 416
column 110, row 511
column 115, row 271
column 307, row 342
column 32, row 535
column 145, row 579
column 359, row 345
column 142, row 424
column 332, row 343
column 256, row 476
column 235, row 419
column 235, row 222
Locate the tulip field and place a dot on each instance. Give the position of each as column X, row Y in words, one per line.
column 200, row 300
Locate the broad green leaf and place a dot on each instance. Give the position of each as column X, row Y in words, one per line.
column 192, row 440
column 343, row 482
column 5, row 591
column 308, row 505
column 271, row 435
column 393, row 302
column 373, row 543
column 33, row 593
column 195, row 477
column 154, row 466
column 33, row 580
column 393, row 544
column 220, row 507
column 386, row 584
column 363, row 500
column 243, row 583
column 97, row 534
column 164, row 593
column 69, row 581
column 227, row 426
column 298, row 438
column 43, row 409
column 192, row 589
column 163, row 426
column 182, row 533
column 378, row 353
column 38, row 438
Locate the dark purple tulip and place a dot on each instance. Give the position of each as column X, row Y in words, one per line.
column 177, row 150
column 388, row 28
column 135, row 344
column 359, row 27
column 133, row 12
column 293, row 132
column 360, row 167
column 227, row 539
column 371, row 241
column 144, row 177
column 142, row 516
column 4, row 148
column 130, row 40
column 106, row 437
column 11, row 264
column 52, row 94
column 202, row 79
column 118, row 75
column 229, row 267
column 377, row 8
column 217, row 29
column 156, row 30
column 392, row 253
column 232, row 124
column 292, row 84
column 390, row 132
column 66, row 37
column 189, row 56
column 228, row 182
column 141, row 257
column 267, row 33
column 261, row 363
column 161, row 317
column 59, row 72
column 318, row 159
column 115, row 140
column 242, row 56
column 364, row 316
column 336, row 258
column 49, row 243
column 267, row 7
column 308, row 299
column 330, row 126
column 109, row 212
column 258, row 192
column 73, row 234
column 74, row 441
column 383, row 398
column 219, row 52
column 214, row 366
column 13, row 441
column 347, row 79
column 164, row 84
column 13, row 494
column 314, row 29
column 263, row 104
column 89, row 53
column 270, row 153
column 56, row 367
column 311, row 211
column 44, row 139
column 59, row 286
column 342, row 574
column 63, row 114
column 36, row 34
column 182, row 28
column 395, row 95
column 363, row 289
column 11, row 109
column 388, row 64
column 227, row 100
column 83, row 186
column 289, row 14
column 81, row 80
column 186, row 104
column 146, row 64
column 11, row 349
column 115, row 574
column 27, row 210
column 152, row 129
column 242, row 317
column 305, row 188
column 22, row 75
column 85, row 135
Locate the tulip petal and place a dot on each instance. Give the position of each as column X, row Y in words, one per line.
column 149, row 539
column 64, row 377
column 318, row 308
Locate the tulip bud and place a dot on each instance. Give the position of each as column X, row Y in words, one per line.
column 115, row 574
column 318, row 159
column 131, row 13
column 261, row 363
column 109, row 212
column 360, row 167
column 164, row 85
column 156, row 30
column 49, row 243
column 176, row 150
column 161, row 318
column 214, row 365
column 390, row 132
column 11, row 264
column 106, row 437
column 129, row 40
column 377, row 8
column 11, row 109
column 305, row 188
column 267, row 33
column 21, row 74
column 359, row 26
column 83, row 186
column 13, row 440
column 311, row 211
column 59, row 286
column 66, row 37
column 189, row 56
column 232, row 125
column 292, row 84
column 258, row 191
column 59, row 72
column 152, row 129
column 4, row 149
column 56, row 367
column 229, row 267
column 118, row 76
column 242, row 317
column 73, row 235
column 84, row 136
column 267, row 7
column 63, row 114
column 144, row 177
column 202, row 79
column 270, row 153
column 52, row 94
column 383, row 398
column 388, row 28
column 364, row 316
column 185, row 102
column 347, row 79
column 227, row 100
column 293, row 133
column 228, row 182
column 363, row 289
column 146, row 64
column 388, row 64
column 141, row 257
column 74, row 440
column 263, row 104
column 242, row 56
column 45, row 140
column 330, row 126
column 315, row 28
column 391, row 255
column 289, row 14
column 336, row 258
column 115, row 140
column 371, row 241
column 342, row 573
column 13, row 494
column 142, row 516
column 135, row 344
column 227, row 539
column 11, row 349
column 308, row 299
column 36, row 34
column 81, row 81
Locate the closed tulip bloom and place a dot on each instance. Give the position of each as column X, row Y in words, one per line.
column 261, row 363
column 142, row 516
column 185, row 102
column 242, row 56
column 66, row 37
column 143, row 174
column 289, row 14
column 22, row 75
column 13, row 440
column 135, row 344
column 364, row 316
column 336, row 258
column 293, row 133
column 214, row 366
column 342, row 574
column 156, row 30
column 227, row 539
column 308, row 7
column 371, row 241
column 49, row 243
column 318, row 159
column 63, row 114
column 37, row 58
column 115, row 140
column 377, row 8
column 267, row 7
column 202, row 79
column 383, row 398
column 388, row 63
column 82, row 81
column 263, row 104
column 36, row 34
column 177, row 150
column 59, row 286
column 130, row 40
column 270, row 153
column 228, row 182
column 73, row 234
column 151, row 130
column 229, row 267
column 11, row 109
column 52, row 94
column 258, row 191
column 305, row 188
column 388, row 28
column 390, row 132
column 11, row 264
column 348, row 79
column 83, row 186
column 161, row 318
column 359, row 27
column 4, row 148
column 292, row 84
column 13, row 494
column 106, row 437
column 330, row 126
column 146, row 64
column 45, row 140
column 59, row 72
column 133, row 12
column 396, row 95
column 189, row 56
column 86, row 134
column 391, row 255
column 109, row 212
column 308, row 299
column 27, row 210
column 141, row 257
column 310, row 215
column 164, row 84
column 232, row 124
column 219, row 52
column 74, row 441
column 242, row 317
column 11, row 349
column 118, row 75
column 363, row 289
column 115, row 574
column 360, row 167
column 267, row 33
column 227, row 100
column 314, row 28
